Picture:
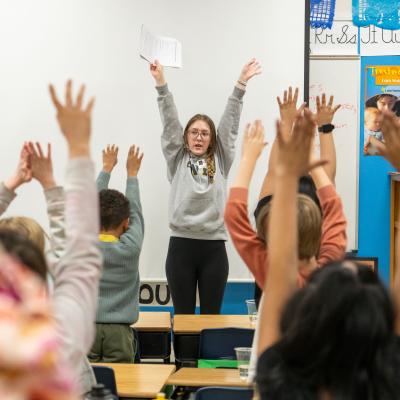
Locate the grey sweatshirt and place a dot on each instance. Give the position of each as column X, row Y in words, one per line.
column 119, row 285
column 195, row 211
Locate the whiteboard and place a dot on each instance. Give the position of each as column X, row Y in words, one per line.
column 340, row 77
column 97, row 41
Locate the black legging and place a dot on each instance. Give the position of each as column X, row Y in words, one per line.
column 192, row 262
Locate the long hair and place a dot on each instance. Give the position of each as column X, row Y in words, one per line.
column 338, row 335
column 213, row 142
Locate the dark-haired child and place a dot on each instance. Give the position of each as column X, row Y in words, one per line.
column 121, row 238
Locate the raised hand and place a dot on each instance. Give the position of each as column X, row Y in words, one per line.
column 294, row 153
column 288, row 109
column 253, row 67
column 41, row 164
column 390, row 149
column 110, row 158
column 325, row 111
column 133, row 161
column 23, row 173
column 157, row 71
column 253, row 141
column 74, row 120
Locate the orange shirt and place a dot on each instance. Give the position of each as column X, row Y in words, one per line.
column 253, row 251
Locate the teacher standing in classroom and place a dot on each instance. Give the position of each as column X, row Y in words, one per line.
column 198, row 158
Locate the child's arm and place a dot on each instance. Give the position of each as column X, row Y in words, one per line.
column 228, row 128
column 292, row 162
column 333, row 235
column 22, row 174
column 390, row 149
column 110, row 159
column 42, row 171
column 172, row 141
column 134, row 235
column 249, row 246
column 252, row 147
column 396, row 283
column 77, row 274
column 324, row 116
column 288, row 112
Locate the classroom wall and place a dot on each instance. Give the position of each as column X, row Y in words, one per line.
column 236, row 294
column 28, row 32
column 97, row 41
column 343, row 10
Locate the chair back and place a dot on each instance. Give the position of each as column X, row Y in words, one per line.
column 106, row 376
column 220, row 343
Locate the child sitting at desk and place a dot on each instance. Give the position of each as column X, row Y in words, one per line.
column 121, row 238
column 41, row 332
column 330, row 241
column 322, row 231
column 338, row 337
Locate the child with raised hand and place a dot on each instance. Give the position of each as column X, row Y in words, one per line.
column 315, row 248
column 76, row 275
column 35, row 164
column 32, row 360
column 77, row 271
column 288, row 111
column 336, row 338
column 321, row 239
column 121, row 238
column 199, row 158
column 324, row 117
column 389, row 149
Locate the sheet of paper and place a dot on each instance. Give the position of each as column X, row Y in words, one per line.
column 167, row 51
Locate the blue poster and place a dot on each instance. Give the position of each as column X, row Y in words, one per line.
column 382, row 92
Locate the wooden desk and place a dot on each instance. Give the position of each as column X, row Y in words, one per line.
column 201, row 377
column 154, row 335
column 187, row 330
column 153, row 322
column 140, row 380
column 196, row 323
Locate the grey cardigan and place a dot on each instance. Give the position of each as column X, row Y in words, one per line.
column 196, row 212
column 120, row 283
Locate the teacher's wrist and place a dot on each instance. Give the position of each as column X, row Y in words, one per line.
column 161, row 82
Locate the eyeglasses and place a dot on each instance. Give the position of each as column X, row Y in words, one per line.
column 195, row 132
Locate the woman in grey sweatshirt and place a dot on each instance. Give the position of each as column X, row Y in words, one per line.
column 199, row 158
